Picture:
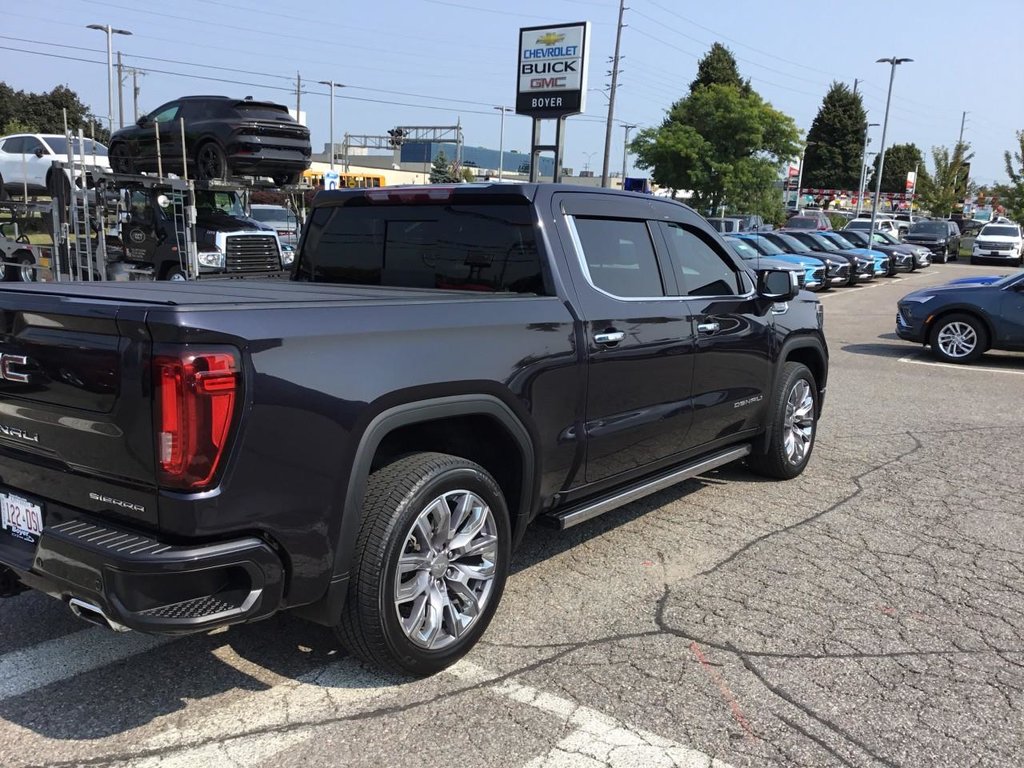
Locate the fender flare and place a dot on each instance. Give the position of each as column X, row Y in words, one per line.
column 805, row 341
column 328, row 608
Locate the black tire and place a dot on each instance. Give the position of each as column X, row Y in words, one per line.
column 973, row 342
column 174, row 273
column 974, row 261
column 287, row 179
column 775, row 460
column 3, row 192
column 211, row 162
column 121, row 160
column 17, row 272
column 396, row 495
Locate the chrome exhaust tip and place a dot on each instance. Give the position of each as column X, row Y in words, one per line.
column 94, row 615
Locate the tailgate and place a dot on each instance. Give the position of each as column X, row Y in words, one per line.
column 75, row 410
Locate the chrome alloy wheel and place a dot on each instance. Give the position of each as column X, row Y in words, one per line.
column 957, row 339
column 799, row 426
column 445, row 574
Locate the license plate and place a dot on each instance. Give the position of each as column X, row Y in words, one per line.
column 21, row 517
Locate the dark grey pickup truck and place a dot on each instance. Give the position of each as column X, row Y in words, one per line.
column 365, row 444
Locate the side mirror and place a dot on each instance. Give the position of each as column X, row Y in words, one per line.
column 141, row 122
column 777, row 284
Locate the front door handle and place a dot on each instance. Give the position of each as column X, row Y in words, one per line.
column 711, row 327
column 609, row 337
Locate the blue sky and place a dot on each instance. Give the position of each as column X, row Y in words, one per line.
column 434, row 62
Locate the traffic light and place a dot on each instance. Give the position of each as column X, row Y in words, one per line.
column 396, row 137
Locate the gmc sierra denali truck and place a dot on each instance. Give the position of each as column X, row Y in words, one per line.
column 365, row 444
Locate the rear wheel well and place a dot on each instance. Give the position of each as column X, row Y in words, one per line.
column 930, row 326
column 478, row 438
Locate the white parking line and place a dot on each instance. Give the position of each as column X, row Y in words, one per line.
column 64, row 657
column 596, row 739
column 843, row 290
column 959, row 367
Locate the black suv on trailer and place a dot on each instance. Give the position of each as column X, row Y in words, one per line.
column 366, row 444
column 223, row 137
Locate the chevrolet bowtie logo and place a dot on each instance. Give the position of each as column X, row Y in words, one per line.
column 551, row 38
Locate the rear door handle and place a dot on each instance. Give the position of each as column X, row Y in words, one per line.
column 711, row 327
column 609, row 337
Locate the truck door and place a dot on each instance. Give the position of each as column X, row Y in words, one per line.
column 638, row 335
column 733, row 369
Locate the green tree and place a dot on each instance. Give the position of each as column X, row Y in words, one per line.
column 836, row 141
column 900, row 159
column 944, row 189
column 723, row 142
column 441, row 171
column 44, row 112
column 467, row 175
column 1011, row 196
column 718, row 67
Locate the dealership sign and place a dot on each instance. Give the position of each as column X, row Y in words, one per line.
column 552, row 74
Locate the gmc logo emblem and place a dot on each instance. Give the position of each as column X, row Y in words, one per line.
column 7, row 363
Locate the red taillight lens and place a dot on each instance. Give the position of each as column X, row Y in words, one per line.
column 195, row 396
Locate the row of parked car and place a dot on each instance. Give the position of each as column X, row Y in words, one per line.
column 825, row 259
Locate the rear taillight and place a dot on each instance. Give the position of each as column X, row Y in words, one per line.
column 195, row 394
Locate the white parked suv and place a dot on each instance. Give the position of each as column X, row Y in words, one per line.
column 882, row 224
column 998, row 241
column 26, row 160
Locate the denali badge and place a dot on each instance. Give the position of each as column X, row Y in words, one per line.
column 748, row 401
column 117, row 502
column 6, row 361
column 19, row 434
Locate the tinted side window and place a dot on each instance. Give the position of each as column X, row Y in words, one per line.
column 31, row 144
column 167, row 113
column 462, row 247
column 620, row 257
column 13, row 145
column 701, row 268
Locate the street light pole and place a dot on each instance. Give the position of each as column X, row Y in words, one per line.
column 501, row 142
column 625, row 151
column 333, row 86
column 588, row 155
column 863, row 167
column 893, row 62
column 110, row 32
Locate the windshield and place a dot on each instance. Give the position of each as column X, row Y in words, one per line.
column 859, row 224
column 929, row 228
column 839, row 241
column 271, row 214
column 725, row 225
column 1008, row 279
column 821, row 242
column 1000, row 231
column 744, row 249
column 226, row 202
column 791, row 244
column 59, row 145
column 886, row 238
column 764, row 246
column 802, row 222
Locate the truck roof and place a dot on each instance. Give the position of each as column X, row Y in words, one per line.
column 425, row 193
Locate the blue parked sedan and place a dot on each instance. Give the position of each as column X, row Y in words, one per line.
column 814, row 269
column 963, row 319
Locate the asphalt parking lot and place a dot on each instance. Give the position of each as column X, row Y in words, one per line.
column 870, row 612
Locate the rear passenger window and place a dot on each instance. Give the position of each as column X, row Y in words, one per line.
column 488, row 248
column 620, row 257
column 700, row 268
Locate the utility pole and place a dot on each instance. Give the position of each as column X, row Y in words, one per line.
column 135, row 92
column 109, row 31
column 120, row 91
column 855, row 81
column 963, row 121
column 611, row 97
column 625, row 150
column 863, row 168
column 298, row 98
